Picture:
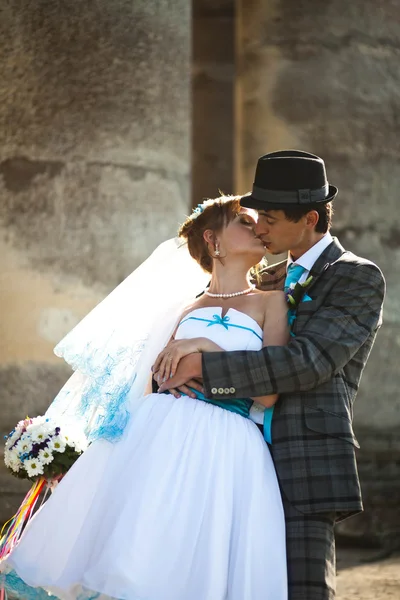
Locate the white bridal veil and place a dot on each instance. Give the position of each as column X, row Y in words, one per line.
column 113, row 348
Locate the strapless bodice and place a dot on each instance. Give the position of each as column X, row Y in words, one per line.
column 233, row 331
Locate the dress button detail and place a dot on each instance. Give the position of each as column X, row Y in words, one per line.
column 232, row 390
column 227, row 390
column 220, row 390
column 214, row 390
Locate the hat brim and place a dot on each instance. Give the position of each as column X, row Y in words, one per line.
column 250, row 201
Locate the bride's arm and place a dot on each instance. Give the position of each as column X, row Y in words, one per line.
column 276, row 332
column 149, row 385
column 167, row 361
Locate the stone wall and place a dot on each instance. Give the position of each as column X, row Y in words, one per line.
column 324, row 77
column 94, row 164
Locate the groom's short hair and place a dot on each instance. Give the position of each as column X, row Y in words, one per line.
column 325, row 212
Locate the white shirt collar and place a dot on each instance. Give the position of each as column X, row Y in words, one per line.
column 308, row 259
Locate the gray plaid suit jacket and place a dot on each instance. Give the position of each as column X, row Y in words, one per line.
column 317, row 376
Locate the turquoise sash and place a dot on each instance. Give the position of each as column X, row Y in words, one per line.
column 268, row 414
column 241, row 406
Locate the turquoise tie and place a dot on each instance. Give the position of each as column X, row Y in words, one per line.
column 293, row 275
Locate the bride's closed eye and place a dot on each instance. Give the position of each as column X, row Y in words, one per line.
column 247, row 222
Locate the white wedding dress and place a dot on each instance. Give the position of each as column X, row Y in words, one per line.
column 186, row 506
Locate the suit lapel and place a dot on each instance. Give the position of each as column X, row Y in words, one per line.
column 321, row 266
column 329, row 256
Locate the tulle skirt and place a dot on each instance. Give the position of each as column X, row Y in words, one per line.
column 186, row 506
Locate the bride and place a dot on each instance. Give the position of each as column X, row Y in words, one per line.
column 176, row 498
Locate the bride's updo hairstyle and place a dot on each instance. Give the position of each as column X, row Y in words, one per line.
column 211, row 214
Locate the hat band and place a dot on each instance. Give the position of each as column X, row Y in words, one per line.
column 291, row 197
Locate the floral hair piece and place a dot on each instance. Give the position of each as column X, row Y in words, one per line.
column 200, row 209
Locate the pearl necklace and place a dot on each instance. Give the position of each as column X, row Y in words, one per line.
column 247, row 291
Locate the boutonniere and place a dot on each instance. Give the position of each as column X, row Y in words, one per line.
column 296, row 294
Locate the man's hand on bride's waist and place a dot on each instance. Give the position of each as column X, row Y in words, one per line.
column 188, row 373
column 193, row 389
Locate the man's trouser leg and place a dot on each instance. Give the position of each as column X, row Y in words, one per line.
column 311, row 557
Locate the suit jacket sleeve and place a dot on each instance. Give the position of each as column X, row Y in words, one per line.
column 349, row 315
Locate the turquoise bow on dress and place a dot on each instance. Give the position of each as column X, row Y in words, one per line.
column 219, row 321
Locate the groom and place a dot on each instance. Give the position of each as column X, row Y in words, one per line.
column 317, row 374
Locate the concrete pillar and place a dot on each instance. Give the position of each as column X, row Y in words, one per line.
column 324, row 77
column 94, row 171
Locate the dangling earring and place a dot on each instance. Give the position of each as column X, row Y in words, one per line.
column 217, row 252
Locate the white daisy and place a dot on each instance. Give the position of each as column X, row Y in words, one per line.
column 11, row 456
column 13, row 451
column 33, row 466
column 24, row 445
column 45, row 456
column 13, row 463
column 61, row 437
column 14, row 467
column 38, row 433
column 56, row 444
column 7, row 459
column 78, row 443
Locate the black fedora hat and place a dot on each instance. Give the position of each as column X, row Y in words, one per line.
column 289, row 178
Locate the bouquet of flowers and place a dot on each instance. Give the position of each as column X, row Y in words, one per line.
column 41, row 451
column 39, row 448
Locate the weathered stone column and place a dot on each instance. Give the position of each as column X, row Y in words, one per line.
column 94, row 164
column 213, row 97
column 324, row 77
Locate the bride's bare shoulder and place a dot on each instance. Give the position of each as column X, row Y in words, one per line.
column 274, row 299
column 271, row 301
column 190, row 308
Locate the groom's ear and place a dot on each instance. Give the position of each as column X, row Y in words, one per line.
column 312, row 219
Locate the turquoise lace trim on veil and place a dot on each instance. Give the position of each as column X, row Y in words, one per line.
column 15, row 588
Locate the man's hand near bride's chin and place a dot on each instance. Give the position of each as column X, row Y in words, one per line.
column 188, row 373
